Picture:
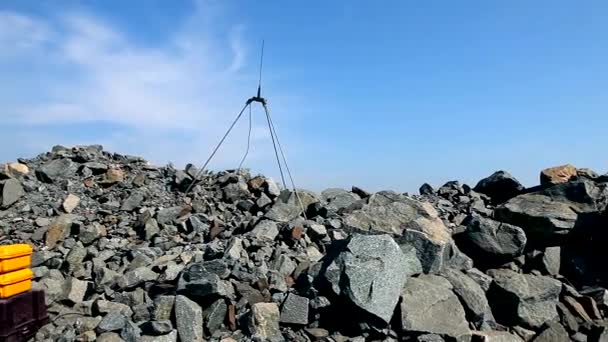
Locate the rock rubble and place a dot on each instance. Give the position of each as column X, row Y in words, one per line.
column 125, row 255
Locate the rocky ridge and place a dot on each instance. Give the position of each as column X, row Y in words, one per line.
column 124, row 255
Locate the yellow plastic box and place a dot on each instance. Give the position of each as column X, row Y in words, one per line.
column 14, row 283
column 15, row 257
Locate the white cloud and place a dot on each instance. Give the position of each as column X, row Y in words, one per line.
column 172, row 101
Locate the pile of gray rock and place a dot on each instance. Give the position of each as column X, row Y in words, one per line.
column 125, row 255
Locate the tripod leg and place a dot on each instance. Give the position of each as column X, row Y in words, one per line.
column 274, row 144
column 274, row 133
column 216, row 148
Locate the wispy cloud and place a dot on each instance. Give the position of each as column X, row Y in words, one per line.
column 169, row 102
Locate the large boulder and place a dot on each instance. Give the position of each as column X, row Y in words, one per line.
column 471, row 295
column 55, row 169
column 490, row 242
column 415, row 224
column 548, row 216
column 523, row 299
column 557, row 174
column 11, row 192
column 500, row 186
column 428, row 305
column 389, row 212
column 369, row 273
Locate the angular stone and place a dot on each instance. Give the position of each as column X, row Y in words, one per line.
column 58, row 230
column 264, row 321
column 234, row 249
column 338, row 199
column 54, row 170
column 388, row 212
column 17, row 169
column 169, row 215
column 426, row 189
column 542, row 218
column 12, row 191
column 156, row 328
column 197, row 280
column 189, row 319
column 70, row 203
column 137, row 277
column 113, row 321
column 557, row 174
column 471, row 295
column 524, row 299
column 554, row 332
column 287, row 207
column 295, row 310
column 170, row 337
column 109, row 337
column 263, row 201
column 132, row 202
column 284, row 265
column 369, row 273
column 495, row 336
column 114, row 175
column 491, row 242
column 131, row 332
column 428, row 305
column 106, row 307
column 75, row 258
column 265, row 230
column 151, row 229
column 317, row 230
column 551, row 260
column 91, row 233
column 500, row 186
column 163, row 308
column 215, row 315
column 272, row 188
column 76, row 290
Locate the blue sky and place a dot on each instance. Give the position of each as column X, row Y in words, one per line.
column 381, row 95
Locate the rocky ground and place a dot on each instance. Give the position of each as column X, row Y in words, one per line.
column 124, row 254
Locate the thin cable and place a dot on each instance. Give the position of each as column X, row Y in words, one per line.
column 293, row 184
column 215, row 150
column 248, row 143
column 261, row 64
column 276, row 153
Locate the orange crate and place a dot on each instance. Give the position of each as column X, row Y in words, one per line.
column 15, row 257
column 14, row 283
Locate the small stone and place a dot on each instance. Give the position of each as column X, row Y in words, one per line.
column 137, row 277
column 317, row 334
column 264, row 321
column 42, row 221
column 109, row 337
column 551, row 260
column 156, row 328
column 58, row 230
column 106, row 307
column 113, row 321
column 91, row 233
column 554, row 332
column 132, row 202
column 266, row 230
column 170, row 337
column 313, row 254
column 70, row 203
column 76, row 290
column 500, row 186
column 12, row 191
column 215, row 314
column 234, row 249
column 263, row 201
column 163, row 308
column 54, row 170
column 189, row 319
column 114, row 175
column 318, row 230
column 295, row 310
